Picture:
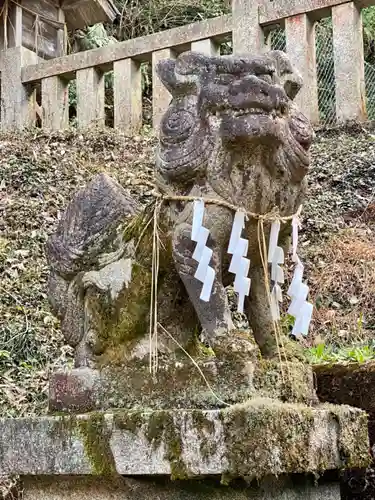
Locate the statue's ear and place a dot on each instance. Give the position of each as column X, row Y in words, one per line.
column 176, row 83
column 288, row 75
column 166, row 72
column 292, row 84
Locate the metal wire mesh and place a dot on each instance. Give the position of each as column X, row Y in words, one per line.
column 368, row 16
column 276, row 39
column 370, row 89
column 325, row 72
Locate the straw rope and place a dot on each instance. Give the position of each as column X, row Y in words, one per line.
column 272, row 216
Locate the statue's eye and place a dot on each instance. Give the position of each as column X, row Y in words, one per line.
column 224, row 79
column 266, row 77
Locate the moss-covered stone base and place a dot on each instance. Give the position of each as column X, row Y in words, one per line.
column 253, row 440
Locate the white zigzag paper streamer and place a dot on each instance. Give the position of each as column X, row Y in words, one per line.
column 202, row 254
column 239, row 264
column 298, row 291
column 276, row 258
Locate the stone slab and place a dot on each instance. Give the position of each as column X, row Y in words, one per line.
column 253, row 440
column 351, row 384
column 80, row 488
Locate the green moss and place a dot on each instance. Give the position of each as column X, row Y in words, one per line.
column 278, row 435
column 202, row 423
column 352, row 436
column 290, row 382
column 130, row 420
column 205, row 428
column 159, row 427
column 96, row 437
column 119, row 330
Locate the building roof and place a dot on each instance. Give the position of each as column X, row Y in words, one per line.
column 81, row 13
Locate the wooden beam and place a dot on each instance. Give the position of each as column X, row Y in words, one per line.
column 72, row 4
column 139, row 48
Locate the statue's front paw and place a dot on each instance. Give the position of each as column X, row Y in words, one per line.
column 233, row 343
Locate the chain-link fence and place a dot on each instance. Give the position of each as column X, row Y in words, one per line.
column 325, row 72
column 370, row 89
column 325, row 66
column 276, row 39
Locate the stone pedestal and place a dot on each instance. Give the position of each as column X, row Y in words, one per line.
column 179, row 384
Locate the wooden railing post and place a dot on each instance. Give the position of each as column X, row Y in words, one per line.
column 300, row 46
column 349, row 62
column 14, row 26
column 55, row 103
column 128, row 95
column 160, row 95
column 90, row 98
column 247, row 33
column 17, row 99
column 207, row 46
column 61, row 35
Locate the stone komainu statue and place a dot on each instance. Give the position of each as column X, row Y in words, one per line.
column 232, row 132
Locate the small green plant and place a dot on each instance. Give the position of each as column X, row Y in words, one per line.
column 287, row 323
column 323, row 353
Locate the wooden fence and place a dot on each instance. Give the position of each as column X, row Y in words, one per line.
column 246, row 28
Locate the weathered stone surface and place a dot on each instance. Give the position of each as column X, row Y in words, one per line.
column 179, row 384
column 207, row 46
column 80, row 488
column 272, row 12
column 247, row 35
column 55, row 103
column 218, row 27
column 90, row 98
column 88, row 258
column 253, row 440
column 160, row 94
column 127, row 94
column 300, row 46
column 17, row 100
column 351, row 384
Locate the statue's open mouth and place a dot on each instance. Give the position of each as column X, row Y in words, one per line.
column 258, row 111
column 280, row 112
